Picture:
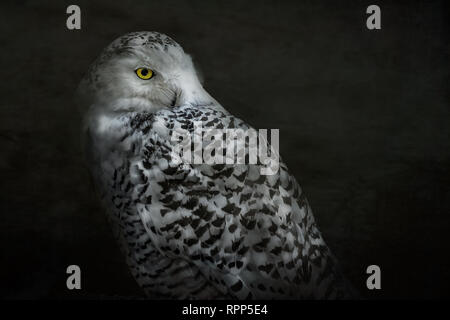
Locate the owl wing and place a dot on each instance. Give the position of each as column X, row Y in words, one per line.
column 250, row 235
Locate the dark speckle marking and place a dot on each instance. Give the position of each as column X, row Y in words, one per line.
column 237, row 286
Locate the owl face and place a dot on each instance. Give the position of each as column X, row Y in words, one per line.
column 141, row 71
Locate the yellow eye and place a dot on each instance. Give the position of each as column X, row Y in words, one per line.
column 144, row 73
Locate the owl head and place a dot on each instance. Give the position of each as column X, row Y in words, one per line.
column 141, row 71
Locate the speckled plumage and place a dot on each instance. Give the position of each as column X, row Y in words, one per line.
column 197, row 231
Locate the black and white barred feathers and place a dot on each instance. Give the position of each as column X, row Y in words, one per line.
column 193, row 231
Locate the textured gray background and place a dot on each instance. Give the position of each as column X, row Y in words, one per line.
column 363, row 118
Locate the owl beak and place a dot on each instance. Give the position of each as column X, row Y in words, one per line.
column 175, row 99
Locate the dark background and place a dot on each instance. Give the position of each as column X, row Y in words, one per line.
column 363, row 118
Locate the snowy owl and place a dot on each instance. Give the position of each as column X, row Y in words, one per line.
column 192, row 231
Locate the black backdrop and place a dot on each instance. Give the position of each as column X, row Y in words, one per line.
column 363, row 118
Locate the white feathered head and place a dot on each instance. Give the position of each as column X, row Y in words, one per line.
column 141, row 71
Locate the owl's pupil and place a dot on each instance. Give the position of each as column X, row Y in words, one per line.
column 144, row 72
